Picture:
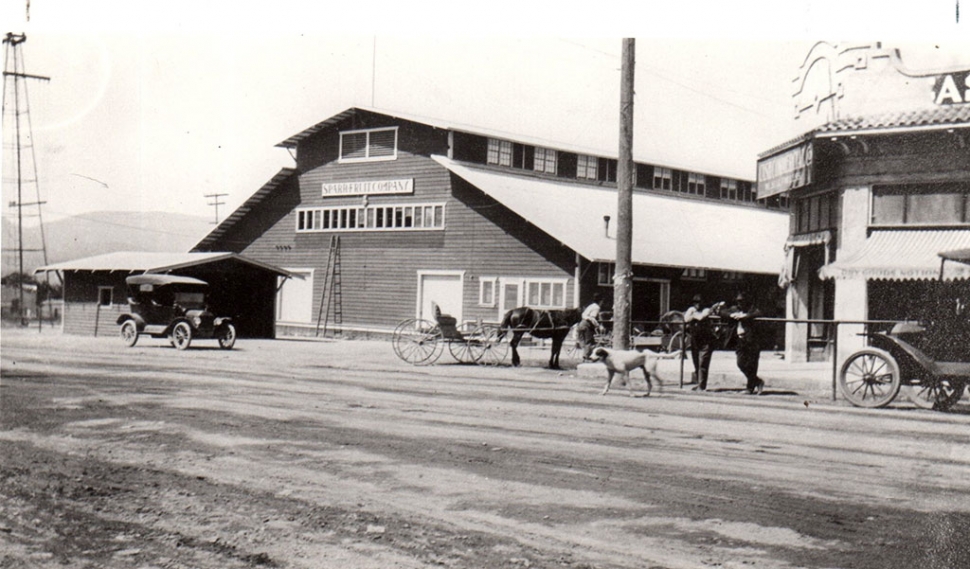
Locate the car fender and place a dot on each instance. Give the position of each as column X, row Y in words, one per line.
column 176, row 321
column 139, row 321
column 219, row 321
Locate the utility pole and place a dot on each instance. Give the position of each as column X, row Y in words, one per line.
column 622, row 281
column 215, row 202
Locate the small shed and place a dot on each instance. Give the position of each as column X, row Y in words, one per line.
column 239, row 287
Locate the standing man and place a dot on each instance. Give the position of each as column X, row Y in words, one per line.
column 586, row 331
column 747, row 350
column 698, row 324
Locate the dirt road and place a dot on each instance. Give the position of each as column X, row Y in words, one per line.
column 337, row 455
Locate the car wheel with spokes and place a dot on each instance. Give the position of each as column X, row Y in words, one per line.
column 181, row 335
column 129, row 333
column 227, row 337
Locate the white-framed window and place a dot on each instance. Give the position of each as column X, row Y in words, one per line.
column 662, row 178
column 395, row 217
column 370, row 144
column 488, row 291
column 499, row 152
column 729, row 189
column 586, row 167
column 732, row 276
column 695, row 184
column 694, row 274
column 604, row 274
column 545, row 293
column 545, row 160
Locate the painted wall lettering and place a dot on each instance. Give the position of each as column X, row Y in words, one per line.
column 952, row 88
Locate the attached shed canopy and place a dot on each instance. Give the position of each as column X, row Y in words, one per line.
column 667, row 231
column 958, row 255
column 149, row 262
column 904, row 255
column 159, row 280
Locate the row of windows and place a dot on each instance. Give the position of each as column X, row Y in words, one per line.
column 381, row 144
column 817, row 213
column 397, row 217
column 606, row 272
column 539, row 293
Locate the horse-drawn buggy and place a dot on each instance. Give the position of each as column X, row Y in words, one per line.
column 421, row 342
column 930, row 358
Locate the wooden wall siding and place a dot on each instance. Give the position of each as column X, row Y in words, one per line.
column 82, row 318
column 263, row 218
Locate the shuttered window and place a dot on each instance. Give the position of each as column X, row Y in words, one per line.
column 373, row 144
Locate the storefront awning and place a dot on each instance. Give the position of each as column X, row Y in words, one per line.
column 667, row 231
column 910, row 254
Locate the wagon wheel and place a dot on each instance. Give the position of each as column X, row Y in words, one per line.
column 677, row 341
column 417, row 341
column 870, row 378
column 494, row 344
column 938, row 393
column 469, row 349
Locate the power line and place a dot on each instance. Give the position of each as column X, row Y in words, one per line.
column 216, row 203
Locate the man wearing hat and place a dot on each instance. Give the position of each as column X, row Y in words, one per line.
column 698, row 323
column 747, row 348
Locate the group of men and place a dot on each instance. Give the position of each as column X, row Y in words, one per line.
column 700, row 326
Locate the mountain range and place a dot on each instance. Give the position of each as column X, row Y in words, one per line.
column 95, row 233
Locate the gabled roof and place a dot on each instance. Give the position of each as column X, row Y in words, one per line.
column 667, row 231
column 261, row 194
column 151, row 262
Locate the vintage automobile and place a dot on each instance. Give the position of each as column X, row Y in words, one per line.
column 173, row 307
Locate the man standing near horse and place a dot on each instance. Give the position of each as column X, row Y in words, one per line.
column 586, row 331
column 698, row 323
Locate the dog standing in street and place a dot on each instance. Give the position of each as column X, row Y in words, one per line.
column 624, row 361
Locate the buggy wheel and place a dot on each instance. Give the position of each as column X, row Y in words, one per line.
column 469, row 349
column 677, row 342
column 870, row 378
column 494, row 345
column 181, row 335
column 227, row 338
column 417, row 341
column 937, row 393
column 129, row 333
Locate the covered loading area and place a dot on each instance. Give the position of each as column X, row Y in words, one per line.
column 95, row 292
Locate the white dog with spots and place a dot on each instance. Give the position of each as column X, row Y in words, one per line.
column 624, row 361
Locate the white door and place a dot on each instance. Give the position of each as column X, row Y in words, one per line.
column 443, row 289
column 294, row 300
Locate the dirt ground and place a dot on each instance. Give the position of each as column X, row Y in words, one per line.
column 338, row 455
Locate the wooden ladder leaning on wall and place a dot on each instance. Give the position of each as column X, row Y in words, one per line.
column 330, row 295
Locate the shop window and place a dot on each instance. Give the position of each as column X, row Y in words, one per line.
column 939, row 204
column 371, row 144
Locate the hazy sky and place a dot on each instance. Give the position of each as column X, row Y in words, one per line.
column 153, row 105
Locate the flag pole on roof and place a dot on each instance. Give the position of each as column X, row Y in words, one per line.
column 622, row 294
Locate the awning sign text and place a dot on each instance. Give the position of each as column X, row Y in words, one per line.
column 952, row 88
column 369, row 188
column 786, row 171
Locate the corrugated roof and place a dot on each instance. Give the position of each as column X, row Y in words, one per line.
column 667, row 231
column 151, row 262
column 261, row 194
column 902, row 255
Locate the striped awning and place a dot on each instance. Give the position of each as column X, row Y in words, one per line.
column 910, row 254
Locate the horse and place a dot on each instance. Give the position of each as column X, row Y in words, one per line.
column 553, row 324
